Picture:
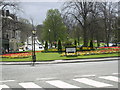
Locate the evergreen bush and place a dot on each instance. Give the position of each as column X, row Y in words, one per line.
column 46, row 46
column 59, row 46
column 75, row 43
column 68, row 44
column 91, row 44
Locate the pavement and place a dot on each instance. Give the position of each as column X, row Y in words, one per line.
column 63, row 61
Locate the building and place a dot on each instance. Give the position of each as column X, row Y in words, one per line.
column 10, row 32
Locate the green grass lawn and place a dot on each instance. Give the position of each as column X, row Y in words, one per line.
column 56, row 56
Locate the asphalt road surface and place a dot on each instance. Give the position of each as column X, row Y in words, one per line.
column 66, row 75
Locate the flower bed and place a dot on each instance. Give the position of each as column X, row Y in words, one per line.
column 110, row 47
column 16, row 55
column 107, row 51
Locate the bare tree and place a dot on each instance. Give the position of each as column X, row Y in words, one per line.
column 93, row 17
column 108, row 12
column 25, row 28
column 95, row 25
column 79, row 10
column 13, row 5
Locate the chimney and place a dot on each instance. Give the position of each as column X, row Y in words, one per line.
column 7, row 13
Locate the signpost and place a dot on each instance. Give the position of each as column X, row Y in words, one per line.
column 70, row 50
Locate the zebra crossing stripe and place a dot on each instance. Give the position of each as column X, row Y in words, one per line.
column 111, row 78
column 29, row 85
column 3, row 86
column 115, row 73
column 92, row 82
column 7, row 81
column 61, row 84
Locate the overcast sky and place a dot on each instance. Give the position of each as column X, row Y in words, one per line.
column 37, row 10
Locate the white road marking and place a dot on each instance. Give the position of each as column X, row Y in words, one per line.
column 87, row 75
column 7, row 81
column 115, row 73
column 84, row 75
column 61, row 84
column 45, row 78
column 3, row 86
column 29, row 85
column 111, row 78
column 92, row 82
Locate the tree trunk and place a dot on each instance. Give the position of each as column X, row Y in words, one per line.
column 78, row 40
column 85, row 36
column 98, row 43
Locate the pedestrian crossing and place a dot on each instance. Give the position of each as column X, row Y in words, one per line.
column 29, row 85
column 111, row 78
column 3, row 86
column 95, row 83
column 92, row 82
column 61, row 84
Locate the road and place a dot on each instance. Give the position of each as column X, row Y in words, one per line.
column 66, row 75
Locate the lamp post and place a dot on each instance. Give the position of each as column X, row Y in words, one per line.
column 33, row 52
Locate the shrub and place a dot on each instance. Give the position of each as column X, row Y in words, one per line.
column 75, row 43
column 68, row 44
column 91, row 44
column 85, row 48
column 46, row 46
column 59, row 46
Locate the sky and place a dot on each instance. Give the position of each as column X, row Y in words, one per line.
column 37, row 10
